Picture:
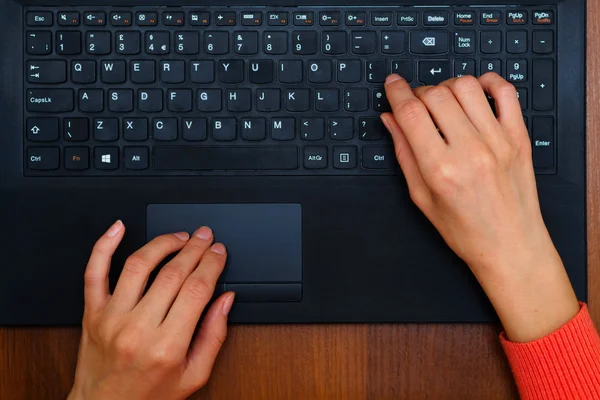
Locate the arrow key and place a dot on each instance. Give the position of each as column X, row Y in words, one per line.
column 42, row 129
column 434, row 72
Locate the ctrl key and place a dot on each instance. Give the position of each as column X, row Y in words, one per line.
column 42, row 158
column 378, row 157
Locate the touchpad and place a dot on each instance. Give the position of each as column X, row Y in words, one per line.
column 264, row 241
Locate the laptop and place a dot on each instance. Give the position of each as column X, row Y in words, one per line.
column 261, row 120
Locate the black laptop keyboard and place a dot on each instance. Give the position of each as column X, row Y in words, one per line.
column 263, row 91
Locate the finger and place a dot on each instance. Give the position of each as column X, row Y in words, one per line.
column 504, row 94
column 138, row 267
column 471, row 97
column 195, row 293
column 159, row 298
column 406, row 158
column 447, row 113
column 414, row 120
column 96, row 292
column 206, row 345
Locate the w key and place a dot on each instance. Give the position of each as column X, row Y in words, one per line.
column 46, row 71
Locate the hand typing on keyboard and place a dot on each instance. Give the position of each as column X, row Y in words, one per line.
column 143, row 346
column 474, row 180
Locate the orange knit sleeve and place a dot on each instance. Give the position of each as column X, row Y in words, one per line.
column 564, row 365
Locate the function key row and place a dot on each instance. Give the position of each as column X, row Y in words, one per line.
column 283, row 18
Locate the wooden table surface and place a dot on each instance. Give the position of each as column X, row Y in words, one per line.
column 310, row 362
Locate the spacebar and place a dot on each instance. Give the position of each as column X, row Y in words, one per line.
column 225, row 158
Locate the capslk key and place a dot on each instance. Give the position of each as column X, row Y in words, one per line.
column 50, row 100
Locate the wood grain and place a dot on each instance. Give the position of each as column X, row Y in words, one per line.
column 333, row 361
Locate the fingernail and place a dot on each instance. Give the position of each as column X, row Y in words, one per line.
column 184, row 236
column 218, row 248
column 227, row 304
column 114, row 229
column 203, row 233
column 392, row 78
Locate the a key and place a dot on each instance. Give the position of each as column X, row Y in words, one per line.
column 406, row 18
column 44, row 71
column 42, row 129
column 303, row 18
column 150, row 100
column 106, row 158
column 326, row 100
column 120, row 100
column 157, row 42
column 226, row 158
column 464, row 18
column 142, row 71
column 227, row 18
column 245, row 42
column 349, row 71
column 491, row 66
column 371, row 129
column 106, row 129
column 251, row 18
column 209, row 100
column 329, row 18
column 464, row 42
column 516, row 17
column 98, row 42
column 376, row 71
column 39, row 18
column 344, row 157
column 319, row 71
column 239, row 100
column 490, row 18
column 194, row 129
column 164, row 129
column 83, row 71
column 231, row 71
column 380, row 102
column 187, row 42
column 279, row 18
column 363, row 42
column 76, row 129
column 543, row 17
column 289, row 71
column 135, row 158
column 224, row 129
column 522, row 96
column 173, row 18
column 543, row 85
column 94, row 18
column 146, row 18
column 378, row 157
column 253, row 129
column 543, row 42
column 39, row 42
column 341, row 128
column 202, row 71
column 404, row 68
column 333, row 42
column 355, row 18
column 91, row 100
column 201, row 18
column 172, row 71
column 260, row 71
column 356, row 100
column 120, row 18
column 516, row 71
column 112, row 71
column 179, row 100
column 315, row 157
column 70, row 18
column 434, row 72
column 297, row 100
column 544, row 148
column 68, row 42
column 381, row 18
column 304, row 42
column 216, row 42
column 283, row 128
column 435, row 18
column 50, row 100
column 42, row 158
column 491, row 42
column 128, row 43
column 77, row 158
column 135, row 129
column 268, row 100
column 516, row 42
column 429, row 42
column 464, row 67
column 275, row 42
column 392, row 42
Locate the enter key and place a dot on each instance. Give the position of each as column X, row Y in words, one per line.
column 544, row 144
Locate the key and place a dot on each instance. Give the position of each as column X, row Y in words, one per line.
column 173, row 18
column 429, row 42
column 522, row 96
column 106, row 129
column 112, row 71
column 434, row 72
column 380, row 102
column 404, row 68
column 341, row 128
column 289, row 71
column 543, row 142
column 209, row 100
column 253, row 129
column 304, row 42
column 42, row 158
column 187, row 42
column 516, row 70
column 46, row 71
column 251, row 18
column 392, row 42
column 329, row 18
column 150, row 100
column 77, row 158
column 543, row 42
column 142, row 71
column 303, row 18
column 91, row 100
column 344, row 157
column 172, row 71
column 225, row 18
column 245, row 42
column 146, row 18
column 231, row 71
column 491, row 66
column 326, row 100
column 283, row 128
column 164, row 129
column 543, row 17
column 491, row 42
column 50, row 100
column 543, row 85
column 407, row 18
column 68, row 42
column 239, row 100
column 157, row 42
column 128, row 43
column 356, row 100
column 202, row 71
column 381, row 18
column 376, row 71
column 135, row 158
column 275, row 42
column 95, row 18
column 199, row 18
column 42, row 129
column 179, row 100
column 120, row 100
column 297, row 100
column 435, row 18
column 106, row 158
column 464, row 67
column 315, row 157
column 98, row 42
column 224, row 129
column 349, row 71
column 76, row 129
column 279, row 18
column 516, row 18
column 333, row 42
column 378, row 157
column 83, row 71
column 371, row 129
column 260, row 71
column 121, row 18
column 39, row 42
column 229, row 158
column 516, row 42
column 312, row 128
column 68, row 18
column 194, row 129
column 490, row 18
column 356, row 18
column 135, row 129
column 216, row 42
column 464, row 42
column 268, row 100
column 462, row 18
column 363, row 42
column 39, row 18
column 319, row 71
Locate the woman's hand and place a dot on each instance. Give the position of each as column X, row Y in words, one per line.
column 136, row 346
column 476, row 184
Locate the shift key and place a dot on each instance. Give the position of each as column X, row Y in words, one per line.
column 50, row 100
column 544, row 147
